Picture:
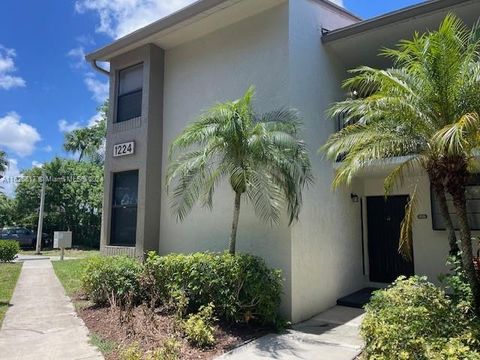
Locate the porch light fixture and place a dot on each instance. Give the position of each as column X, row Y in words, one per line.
column 354, row 197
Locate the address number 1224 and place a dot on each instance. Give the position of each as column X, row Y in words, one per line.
column 124, row 149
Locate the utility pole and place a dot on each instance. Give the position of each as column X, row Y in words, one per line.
column 40, row 215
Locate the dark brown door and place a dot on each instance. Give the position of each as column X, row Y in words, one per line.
column 384, row 217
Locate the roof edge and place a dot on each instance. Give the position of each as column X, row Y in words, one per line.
column 164, row 23
column 390, row 18
column 341, row 9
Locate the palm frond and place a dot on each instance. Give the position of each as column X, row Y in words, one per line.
column 405, row 246
column 265, row 195
column 397, row 175
column 260, row 155
column 455, row 138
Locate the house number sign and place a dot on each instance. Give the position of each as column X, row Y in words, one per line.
column 124, row 149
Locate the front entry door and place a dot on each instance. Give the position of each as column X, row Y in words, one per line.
column 384, row 217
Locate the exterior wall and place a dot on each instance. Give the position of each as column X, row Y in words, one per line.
column 430, row 247
column 280, row 52
column 148, row 150
column 326, row 243
column 218, row 67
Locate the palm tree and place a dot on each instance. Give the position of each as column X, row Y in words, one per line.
column 90, row 140
column 76, row 141
column 261, row 156
column 86, row 141
column 3, row 162
column 426, row 110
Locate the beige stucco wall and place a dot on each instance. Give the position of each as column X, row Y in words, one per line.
column 326, row 243
column 280, row 52
column 215, row 68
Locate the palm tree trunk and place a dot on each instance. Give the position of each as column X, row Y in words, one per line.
column 80, row 156
column 236, row 215
column 459, row 202
column 452, row 237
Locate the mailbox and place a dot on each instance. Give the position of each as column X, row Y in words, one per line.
column 62, row 239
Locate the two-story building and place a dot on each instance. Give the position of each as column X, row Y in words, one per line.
column 296, row 53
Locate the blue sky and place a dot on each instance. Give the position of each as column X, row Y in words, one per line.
column 45, row 86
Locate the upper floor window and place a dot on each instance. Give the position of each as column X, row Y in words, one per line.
column 129, row 97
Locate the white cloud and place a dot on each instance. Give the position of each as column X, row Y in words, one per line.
column 16, row 136
column 10, row 178
column 64, row 126
column 48, row 148
column 85, row 40
column 78, row 57
column 94, row 119
column 121, row 17
column 36, row 164
column 7, row 68
column 99, row 89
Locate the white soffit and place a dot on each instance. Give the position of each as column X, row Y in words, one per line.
column 224, row 14
column 221, row 16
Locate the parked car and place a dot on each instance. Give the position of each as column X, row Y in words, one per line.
column 24, row 236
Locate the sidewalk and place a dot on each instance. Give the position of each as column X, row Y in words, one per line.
column 22, row 258
column 41, row 323
column 332, row 335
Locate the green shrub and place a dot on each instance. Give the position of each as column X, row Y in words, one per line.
column 198, row 327
column 169, row 351
column 413, row 319
column 112, row 280
column 131, row 352
column 241, row 287
column 8, row 250
column 456, row 283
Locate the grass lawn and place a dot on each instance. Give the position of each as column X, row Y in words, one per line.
column 105, row 346
column 69, row 272
column 8, row 278
column 75, row 253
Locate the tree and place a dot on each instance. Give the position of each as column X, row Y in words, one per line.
column 7, row 211
column 3, row 164
column 73, row 199
column 261, row 156
column 3, row 161
column 7, row 205
column 89, row 141
column 426, row 109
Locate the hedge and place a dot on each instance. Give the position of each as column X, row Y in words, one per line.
column 8, row 250
column 241, row 288
column 414, row 319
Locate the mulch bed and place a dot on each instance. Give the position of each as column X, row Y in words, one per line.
column 149, row 330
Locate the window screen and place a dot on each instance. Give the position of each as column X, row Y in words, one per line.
column 472, row 193
column 129, row 100
column 124, row 208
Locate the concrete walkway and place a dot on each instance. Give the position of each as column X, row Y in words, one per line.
column 23, row 257
column 41, row 323
column 332, row 335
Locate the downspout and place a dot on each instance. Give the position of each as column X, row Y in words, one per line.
column 99, row 68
